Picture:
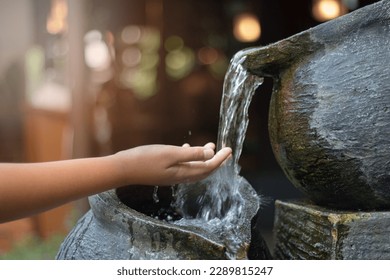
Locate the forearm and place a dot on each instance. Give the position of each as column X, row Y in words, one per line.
column 26, row 189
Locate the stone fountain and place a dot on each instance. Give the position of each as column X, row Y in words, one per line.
column 329, row 126
column 330, row 131
column 128, row 223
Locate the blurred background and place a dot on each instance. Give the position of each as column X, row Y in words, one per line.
column 92, row 77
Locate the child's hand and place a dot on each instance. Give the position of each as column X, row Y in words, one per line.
column 168, row 165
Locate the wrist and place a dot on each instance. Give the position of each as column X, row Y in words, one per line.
column 117, row 169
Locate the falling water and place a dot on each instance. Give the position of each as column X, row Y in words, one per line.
column 239, row 87
column 215, row 203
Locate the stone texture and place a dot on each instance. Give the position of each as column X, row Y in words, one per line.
column 113, row 230
column 330, row 108
column 309, row 232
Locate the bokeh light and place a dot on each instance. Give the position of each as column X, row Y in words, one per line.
column 324, row 10
column 179, row 63
column 173, row 43
column 57, row 20
column 180, row 59
column 131, row 34
column 246, row 27
column 207, row 55
column 140, row 60
column 96, row 53
column 131, row 56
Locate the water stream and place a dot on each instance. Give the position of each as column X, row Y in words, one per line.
column 216, row 203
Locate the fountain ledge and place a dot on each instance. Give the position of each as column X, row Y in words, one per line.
column 306, row 231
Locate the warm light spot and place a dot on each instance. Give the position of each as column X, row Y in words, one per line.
column 110, row 38
column 56, row 20
column 324, row 10
column 246, row 28
column 207, row 55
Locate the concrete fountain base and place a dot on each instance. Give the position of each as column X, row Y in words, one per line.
column 112, row 230
column 305, row 231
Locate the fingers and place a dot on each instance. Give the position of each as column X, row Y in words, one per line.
column 199, row 157
column 196, row 163
column 196, row 170
column 189, row 153
column 195, row 154
column 219, row 157
column 210, row 146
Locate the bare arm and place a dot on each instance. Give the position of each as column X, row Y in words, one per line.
column 26, row 189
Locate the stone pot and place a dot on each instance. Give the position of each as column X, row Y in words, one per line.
column 122, row 224
column 329, row 116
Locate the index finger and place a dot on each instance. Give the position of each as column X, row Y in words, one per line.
column 219, row 157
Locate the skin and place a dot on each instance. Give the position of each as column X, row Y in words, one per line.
column 30, row 188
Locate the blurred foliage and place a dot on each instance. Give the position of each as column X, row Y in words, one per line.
column 34, row 248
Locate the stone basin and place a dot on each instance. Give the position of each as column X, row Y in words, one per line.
column 122, row 224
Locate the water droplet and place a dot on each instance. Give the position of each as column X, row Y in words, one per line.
column 155, row 195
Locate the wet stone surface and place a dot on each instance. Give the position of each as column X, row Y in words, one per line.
column 329, row 113
column 309, row 232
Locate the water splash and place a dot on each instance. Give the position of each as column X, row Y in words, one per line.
column 216, row 203
column 156, row 199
